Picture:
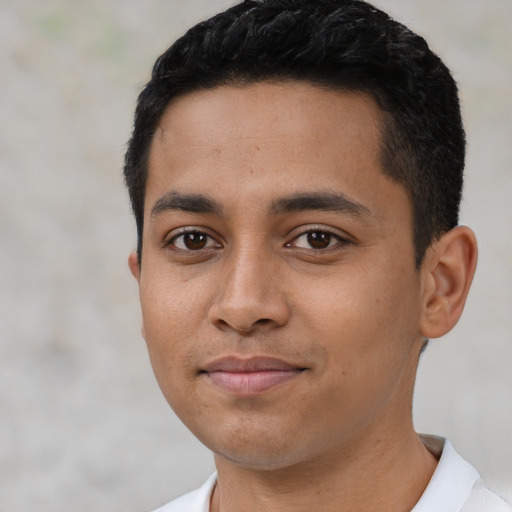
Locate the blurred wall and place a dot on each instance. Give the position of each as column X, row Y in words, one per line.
column 82, row 423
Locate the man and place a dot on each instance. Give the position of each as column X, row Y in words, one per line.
column 295, row 172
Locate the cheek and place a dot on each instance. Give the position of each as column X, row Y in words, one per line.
column 367, row 325
column 365, row 311
column 170, row 304
column 165, row 320
column 174, row 313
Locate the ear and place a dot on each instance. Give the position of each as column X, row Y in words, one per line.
column 448, row 270
column 133, row 263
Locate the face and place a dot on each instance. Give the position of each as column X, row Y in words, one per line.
column 279, row 294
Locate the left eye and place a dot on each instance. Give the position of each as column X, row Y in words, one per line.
column 193, row 241
column 316, row 239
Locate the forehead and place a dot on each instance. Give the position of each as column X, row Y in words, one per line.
column 269, row 111
column 273, row 139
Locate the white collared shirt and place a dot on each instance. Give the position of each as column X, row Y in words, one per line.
column 455, row 486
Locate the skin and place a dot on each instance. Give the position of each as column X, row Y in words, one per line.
column 330, row 290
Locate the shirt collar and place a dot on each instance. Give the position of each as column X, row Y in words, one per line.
column 451, row 482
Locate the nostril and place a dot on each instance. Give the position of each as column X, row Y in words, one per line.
column 244, row 328
column 263, row 321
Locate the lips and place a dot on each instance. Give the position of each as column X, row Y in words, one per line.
column 245, row 377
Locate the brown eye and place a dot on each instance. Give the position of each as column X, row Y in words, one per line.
column 319, row 239
column 193, row 241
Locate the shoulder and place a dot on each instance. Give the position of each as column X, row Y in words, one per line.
column 195, row 501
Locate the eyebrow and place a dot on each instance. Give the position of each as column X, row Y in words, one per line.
column 193, row 203
column 325, row 201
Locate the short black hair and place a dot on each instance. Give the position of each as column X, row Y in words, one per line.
column 340, row 45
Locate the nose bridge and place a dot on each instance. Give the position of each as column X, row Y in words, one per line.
column 247, row 275
column 249, row 294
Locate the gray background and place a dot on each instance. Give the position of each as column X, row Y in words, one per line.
column 82, row 423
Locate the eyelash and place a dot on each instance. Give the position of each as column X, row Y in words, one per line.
column 192, row 230
column 339, row 240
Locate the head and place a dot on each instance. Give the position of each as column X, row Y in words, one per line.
column 295, row 172
column 335, row 45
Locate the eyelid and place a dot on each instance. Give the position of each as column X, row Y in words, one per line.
column 342, row 237
column 175, row 233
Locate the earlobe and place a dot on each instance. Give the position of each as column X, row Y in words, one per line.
column 133, row 263
column 448, row 270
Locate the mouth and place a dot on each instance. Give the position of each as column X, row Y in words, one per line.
column 246, row 377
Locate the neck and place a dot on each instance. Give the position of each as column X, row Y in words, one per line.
column 380, row 476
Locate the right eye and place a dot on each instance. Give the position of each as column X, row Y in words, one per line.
column 193, row 241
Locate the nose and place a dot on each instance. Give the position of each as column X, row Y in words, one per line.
column 250, row 295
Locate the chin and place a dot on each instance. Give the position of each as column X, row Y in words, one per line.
column 256, row 460
column 258, row 449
